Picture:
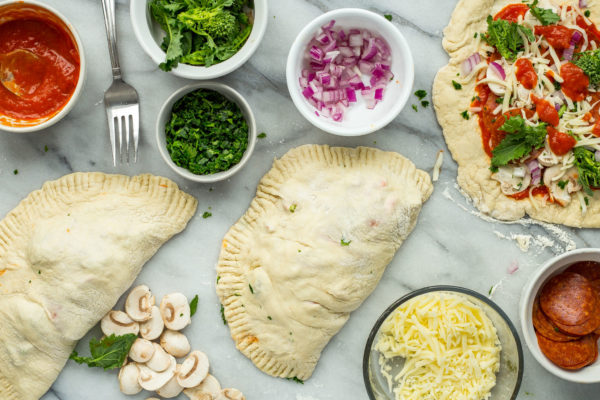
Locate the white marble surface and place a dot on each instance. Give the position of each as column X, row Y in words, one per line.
column 449, row 246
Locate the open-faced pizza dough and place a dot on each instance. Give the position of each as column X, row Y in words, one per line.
column 67, row 252
column 464, row 136
column 317, row 237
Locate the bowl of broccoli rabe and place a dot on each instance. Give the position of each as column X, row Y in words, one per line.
column 199, row 39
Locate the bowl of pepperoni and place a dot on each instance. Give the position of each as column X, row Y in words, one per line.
column 560, row 315
column 42, row 66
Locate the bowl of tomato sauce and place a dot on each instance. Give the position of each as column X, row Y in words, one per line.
column 42, row 66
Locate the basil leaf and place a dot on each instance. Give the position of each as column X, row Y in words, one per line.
column 193, row 305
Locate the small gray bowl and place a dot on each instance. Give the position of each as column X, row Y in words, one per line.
column 165, row 113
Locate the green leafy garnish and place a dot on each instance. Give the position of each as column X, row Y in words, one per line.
column 251, row 288
column 457, row 86
column 16, row 172
column 589, row 62
column 261, row 135
column 544, row 15
column 108, row 353
column 562, row 184
column 588, row 169
column 223, row 315
column 295, row 379
column 587, row 13
column 269, row 318
column 206, row 214
column 201, row 32
column 193, row 305
column 345, row 243
column 207, row 132
column 46, row 149
column 424, row 103
column 388, row 17
column 414, row 107
column 421, row 94
column 465, row 115
column 504, row 35
column 293, row 208
column 519, row 142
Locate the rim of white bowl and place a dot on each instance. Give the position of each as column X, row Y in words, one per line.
column 232, row 95
column 80, row 81
column 140, row 20
column 530, row 291
column 296, row 50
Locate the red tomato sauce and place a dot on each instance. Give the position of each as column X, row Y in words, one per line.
column 40, row 65
column 557, row 36
column 576, row 82
column 591, row 30
column 525, row 73
column 560, row 143
column 546, row 111
column 512, row 12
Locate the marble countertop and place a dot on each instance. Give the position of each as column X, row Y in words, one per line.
column 450, row 245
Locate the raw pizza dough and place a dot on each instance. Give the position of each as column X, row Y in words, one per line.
column 67, row 252
column 463, row 137
column 313, row 245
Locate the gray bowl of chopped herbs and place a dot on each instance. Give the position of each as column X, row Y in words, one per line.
column 206, row 132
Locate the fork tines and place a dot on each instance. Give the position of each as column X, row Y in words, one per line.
column 123, row 124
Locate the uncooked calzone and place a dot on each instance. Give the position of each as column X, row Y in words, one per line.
column 313, row 245
column 67, row 252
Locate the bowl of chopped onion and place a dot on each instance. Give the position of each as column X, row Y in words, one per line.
column 350, row 72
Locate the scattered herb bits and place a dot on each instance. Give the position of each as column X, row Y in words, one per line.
column 207, row 132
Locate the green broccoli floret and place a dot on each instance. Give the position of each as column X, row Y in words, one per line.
column 588, row 168
column 216, row 22
column 589, row 62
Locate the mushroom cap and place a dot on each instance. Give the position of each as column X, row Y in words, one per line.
column 118, row 323
column 139, row 303
column 209, row 389
column 193, row 370
column 172, row 388
column 152, row 380
column 175, row 311
column 230, row 394
column 160, row 360
column 141, row 350
column 152, row 328
column 175, row 343
column 128, row 379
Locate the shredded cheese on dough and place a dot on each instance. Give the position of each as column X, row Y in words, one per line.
column 450, row 347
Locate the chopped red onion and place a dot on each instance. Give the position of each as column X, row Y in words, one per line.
column 582, row 3
column 328, row 25
column 498, row 69
column 370, row 50
column 568, row 53
column 513, row 267
column 469, row 64
column 379, row 94
column 536, row 172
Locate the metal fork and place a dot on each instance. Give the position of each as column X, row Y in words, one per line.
column 120, row 100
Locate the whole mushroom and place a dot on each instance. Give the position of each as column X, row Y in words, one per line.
column 152, row 380
column 209, row 389
column 193, row 370
column 160, row 360
column 139, row 303
column 230, row 394
column 141, row 350
column 152, row 328
column 118, row 323
column 128, row 379
column 175, row 311
column 172, row 388
column 175, row 343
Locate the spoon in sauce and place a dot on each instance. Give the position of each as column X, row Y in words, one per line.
column 21, row 72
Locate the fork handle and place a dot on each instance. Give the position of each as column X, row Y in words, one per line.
column 111, row 32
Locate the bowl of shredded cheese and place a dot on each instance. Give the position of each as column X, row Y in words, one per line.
column 443, row 342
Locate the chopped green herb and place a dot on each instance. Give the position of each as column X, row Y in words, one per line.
column 16, row 172
column 108, row 353
column 587, row 13
column 261, row 135
column 521, row 139
column 295, row 379
column 424, row 103
column 345, row 243
column 588, row 169
column 293, row 207
column 465, row 115
column 544, row 15
column 562, row 110
column 251, row 288
column 45, row 149
column 39, row 271
column 193, row 305
column 237, row 294
column 490, row 291
column 181, row 315
column 218, row 278
column 388, row 17
column 269, row 318
column 557, row 85
column 589, row 62
column 562, row 184
column 421, row 94
column 475, row 35
column 223, row 315
column 500, row 100
column 556, row 329
column 457, row 86
column 414, row 107
column 587, row 200
column 206, row 214
column 207, row 132
column 504, row 35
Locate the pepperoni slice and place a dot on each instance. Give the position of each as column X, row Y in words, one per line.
column 589, row 326
column 587, row 269
column 569, row 299
column 570, row 355
column 546, row 328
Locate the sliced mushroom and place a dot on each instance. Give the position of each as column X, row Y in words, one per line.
column 141, row 350
column 193, row 370
column 230, row 394
column 118, row 323
column 128, row 379
column 139, row 303
column 152, row 380
column 562, row 183
column 172, row 388
column 209, row 389
column 513, row 179
column 175, row 311
column 160, row 359
column 153, row 328
column 175, row 343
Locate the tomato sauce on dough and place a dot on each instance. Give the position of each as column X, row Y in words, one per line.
column 39, row 65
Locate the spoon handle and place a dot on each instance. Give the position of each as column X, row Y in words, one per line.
column 111, row 32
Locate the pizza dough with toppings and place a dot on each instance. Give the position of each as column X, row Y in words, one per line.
column 455, row 97
column 325, row 223
column 67, row 253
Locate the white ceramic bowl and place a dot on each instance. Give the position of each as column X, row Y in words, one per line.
column 82, row 70
column 165, row 114
column 554, row 266
column 150, row 35
column 358, row 120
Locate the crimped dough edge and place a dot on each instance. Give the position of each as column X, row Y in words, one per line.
column 231, row 279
